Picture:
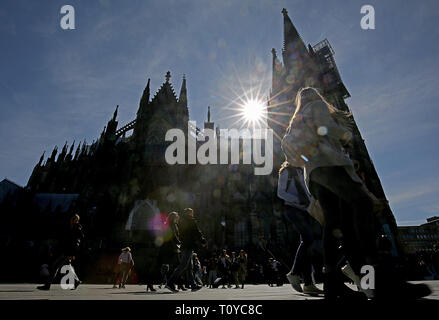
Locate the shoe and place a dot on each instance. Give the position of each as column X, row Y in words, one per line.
column 196, row 288
column 77, row 283
column 151, row 288
column 242, row 287
column 182, row 287
column 349, row 272
column 114, row 287
column 171, row 288
column 294, row 280
column 335, row 289
column 312, row 290
column 123, row 286
column 44, row 287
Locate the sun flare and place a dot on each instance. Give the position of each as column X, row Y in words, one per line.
column 253, row 110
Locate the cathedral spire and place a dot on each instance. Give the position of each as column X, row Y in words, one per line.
column 293, row 43
column 112, row 125
column 115, row 113
column 72, row 147
column 145, row 96
column 53, row 155
column 102, row 138
column 63, row 153
column 144, row 100
column 208, row 124
column 41, row 159
column 84, row 148
column 166, row 94
column 64, row 149
column 183, row 93
column 78, row 150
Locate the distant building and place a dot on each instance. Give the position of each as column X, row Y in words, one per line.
column 9, row 189
column 420, row 238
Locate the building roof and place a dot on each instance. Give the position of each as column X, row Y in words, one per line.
column 8, row 187
column 7, row 181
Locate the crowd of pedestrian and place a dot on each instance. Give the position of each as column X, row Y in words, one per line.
column 326, row 199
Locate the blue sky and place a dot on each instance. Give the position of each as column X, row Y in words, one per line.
column 58, row 85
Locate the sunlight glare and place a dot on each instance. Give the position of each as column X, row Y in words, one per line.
column 253, row 110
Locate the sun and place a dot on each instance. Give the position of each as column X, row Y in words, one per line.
column 253, row 111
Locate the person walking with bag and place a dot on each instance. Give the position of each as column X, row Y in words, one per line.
column 190, row 236
column 314, row 139
column 291, row 188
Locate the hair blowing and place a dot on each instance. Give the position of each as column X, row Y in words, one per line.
column 308, row 94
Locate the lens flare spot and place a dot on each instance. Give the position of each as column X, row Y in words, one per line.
column 159, row 223
column 158, row 241
column 171, row 197
column 322, row 131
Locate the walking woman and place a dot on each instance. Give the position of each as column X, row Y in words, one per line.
column 292, row 189
column 224, row 268
column 330, row 177
column 190, row 237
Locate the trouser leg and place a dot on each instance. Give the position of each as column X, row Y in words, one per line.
column 185, row 263
column 56, row 267
column 336, row 180
column 329, row 203
column 303, row 223
column 125, row 268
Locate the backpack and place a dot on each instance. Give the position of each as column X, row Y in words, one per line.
column 300, row 142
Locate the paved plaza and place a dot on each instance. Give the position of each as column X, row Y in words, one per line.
column 138, row 292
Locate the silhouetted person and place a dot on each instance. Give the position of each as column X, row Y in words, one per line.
column 190, row 236
column 242, row 271
column 315, row 139
column 70, row 246
column 126, row 263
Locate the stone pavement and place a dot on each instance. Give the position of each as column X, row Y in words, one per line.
column 138, row 292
